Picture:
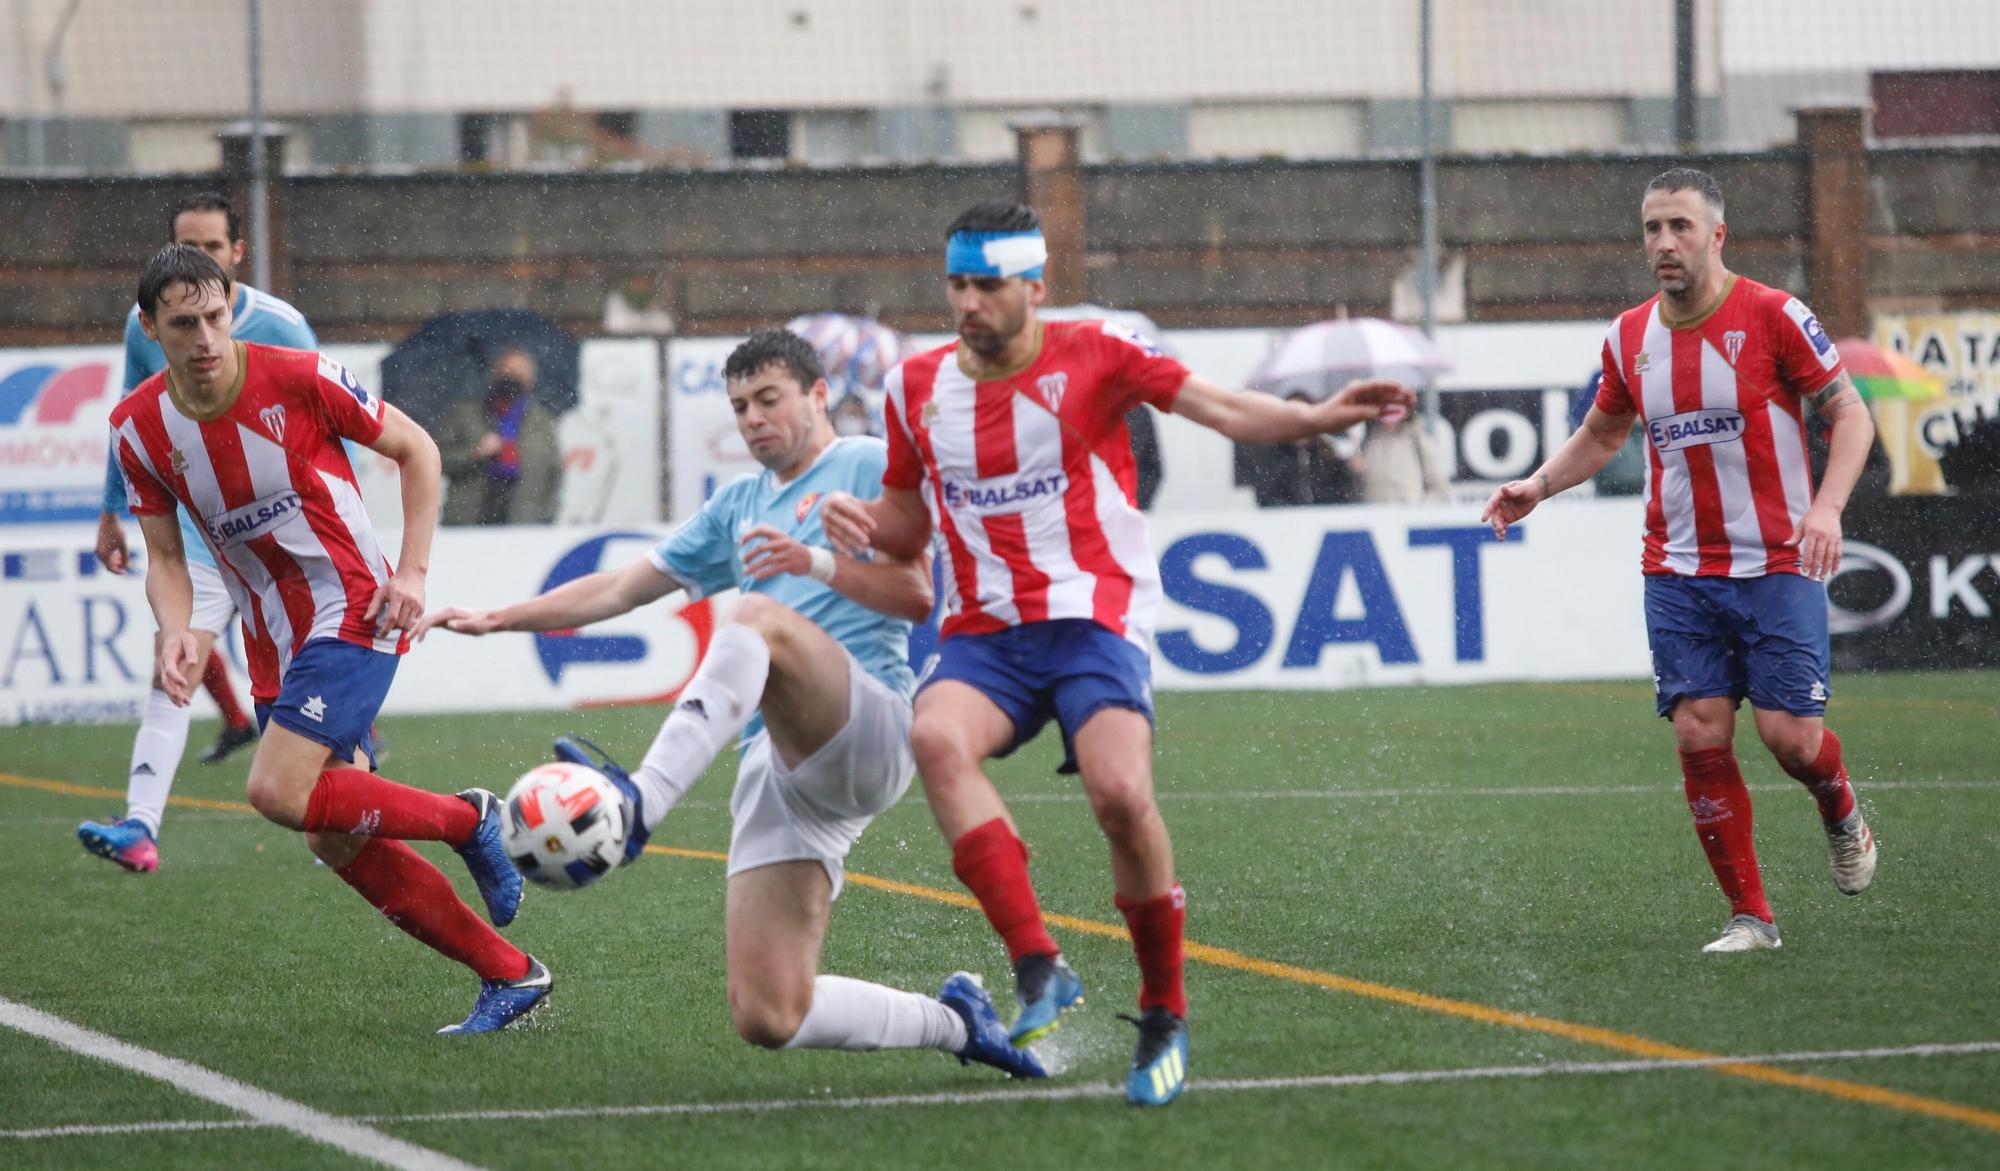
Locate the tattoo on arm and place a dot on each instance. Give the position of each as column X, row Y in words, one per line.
column 1547, row 491
column 1837, row 393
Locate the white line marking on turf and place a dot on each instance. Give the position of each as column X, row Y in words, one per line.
column 1067, row 1093
column 268, row 1109
column 1864, row 788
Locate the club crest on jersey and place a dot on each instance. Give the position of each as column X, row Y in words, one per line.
column 806, row 503
column 1732, row 344
column 1052, row 387
column 1640, row 363
column 274, row 421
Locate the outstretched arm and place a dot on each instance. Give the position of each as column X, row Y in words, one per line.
column 1248, row 416
column 1578, row 459
column 897, row 586
column 591, row 598
column 1817, row 536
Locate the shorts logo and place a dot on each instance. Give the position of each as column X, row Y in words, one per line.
column 1052, row 387
column 274, row 421
column 1818, row 692
column 1695, row 428
column 806, row 503
column 314, row 709
column 1732, row 342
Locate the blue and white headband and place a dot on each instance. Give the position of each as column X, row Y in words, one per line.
column 996, row 254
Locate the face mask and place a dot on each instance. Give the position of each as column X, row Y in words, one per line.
column 507, row 386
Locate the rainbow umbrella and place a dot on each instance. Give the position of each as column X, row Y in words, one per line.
column 1885, row 374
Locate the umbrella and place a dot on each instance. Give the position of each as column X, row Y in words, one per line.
column 450, row 357
column 1885, row 374
column 1319, row 359
column 857, row 352
column 1131, row 320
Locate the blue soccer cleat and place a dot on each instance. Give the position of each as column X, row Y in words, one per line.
column 985, row 1037
column 485, row 854
column 502, row 1002
column 1046, row 988
column 128, row 843
column 1159, row 1065
column 577, row 750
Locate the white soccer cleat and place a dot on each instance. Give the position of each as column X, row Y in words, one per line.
column 1852, row 846
column 1746, row 933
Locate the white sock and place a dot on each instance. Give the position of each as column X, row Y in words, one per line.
column 859, row 1016
column 156, row 756
column 712, row 711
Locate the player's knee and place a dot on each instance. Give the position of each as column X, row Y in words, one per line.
column 940, row 751
column 1123, row 804
column 336, row 850
column 277, row 800
column 766, row 1020
column 1793, row 748
column 759, row 613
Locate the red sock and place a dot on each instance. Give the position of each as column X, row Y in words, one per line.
column 1721, row 806
column 355, row 801
column 417, row 897
column 215, row 677
column 1826, row 779
column 993, row 864
column 1155, row 925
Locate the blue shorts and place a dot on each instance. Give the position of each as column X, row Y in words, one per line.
column 331, row 694
column 1762, row 637
column 1068, row 668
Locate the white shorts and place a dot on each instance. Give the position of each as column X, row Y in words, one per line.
column 817, row 810
column 213, row 607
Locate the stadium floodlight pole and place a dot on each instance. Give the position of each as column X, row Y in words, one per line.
column 1685, row 130
column 260, row 190
column 1427, row 200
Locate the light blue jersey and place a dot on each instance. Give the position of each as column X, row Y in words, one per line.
column 704, row 556
column 258, row 317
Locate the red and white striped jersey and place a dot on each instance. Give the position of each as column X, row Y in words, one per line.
column 1721, row 401
column 269, row 485
column 1030, row 479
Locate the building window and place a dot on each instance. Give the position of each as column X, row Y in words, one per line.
column 760, row 134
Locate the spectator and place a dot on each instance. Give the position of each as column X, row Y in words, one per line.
column 1400, row 463
column 500, row 451
column 1306, row 471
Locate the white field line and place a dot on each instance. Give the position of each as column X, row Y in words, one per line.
column 263, row 1107
column 1059, row 1093
column 1668, row 787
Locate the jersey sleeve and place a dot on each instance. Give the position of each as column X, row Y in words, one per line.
column 293, row 335
column 350, row 410
column 149, row 496
column 904, row 468
column 1144, row 371
column 701, row 554
column 1613, row 396
column 1806, row 357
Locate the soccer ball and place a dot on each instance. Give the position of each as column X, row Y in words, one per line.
column 566, row 825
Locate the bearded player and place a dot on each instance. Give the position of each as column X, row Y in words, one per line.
column 1010, row 443
column 247, row 439
column 1721, row 371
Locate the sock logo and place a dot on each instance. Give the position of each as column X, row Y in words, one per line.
column 693, row 707
column 1709, row 810
column 144, row 770
column 371, row 820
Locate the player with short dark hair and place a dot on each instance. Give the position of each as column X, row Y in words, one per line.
column 249, row 439
column 1720, row 370
column 208, row 222
column 811, row 668
column 1010, row 444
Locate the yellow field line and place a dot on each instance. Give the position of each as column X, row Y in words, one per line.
column 1223, row 957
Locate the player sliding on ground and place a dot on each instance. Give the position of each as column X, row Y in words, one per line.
column 1011, row 444
column 811, row 666
column 1720, row 370
column 247, row 439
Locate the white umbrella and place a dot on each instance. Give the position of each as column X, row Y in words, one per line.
column 1318, row 359
column 1131, row 320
